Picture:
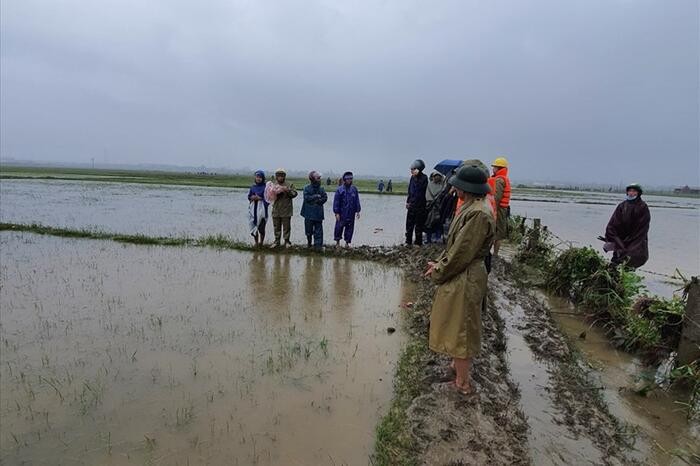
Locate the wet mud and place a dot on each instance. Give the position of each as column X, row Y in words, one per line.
column 569, row 398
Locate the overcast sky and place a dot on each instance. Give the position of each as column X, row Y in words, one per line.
column 576, row 90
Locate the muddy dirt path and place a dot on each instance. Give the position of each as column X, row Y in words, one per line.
column 534, row 403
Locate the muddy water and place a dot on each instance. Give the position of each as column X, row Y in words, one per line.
column 119, row 354
column 549, row 441
column 194, row 211
column 662, row 422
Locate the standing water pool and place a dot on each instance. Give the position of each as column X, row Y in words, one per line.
column 123, row 354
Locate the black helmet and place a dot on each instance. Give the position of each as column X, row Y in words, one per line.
column 636, row 186
column 418, row 164
column 471, row 179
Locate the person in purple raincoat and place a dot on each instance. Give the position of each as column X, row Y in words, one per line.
column 258, row 208
column 346, row 207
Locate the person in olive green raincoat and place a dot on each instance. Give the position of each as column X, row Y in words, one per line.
column 282, row 208
column 460, row 272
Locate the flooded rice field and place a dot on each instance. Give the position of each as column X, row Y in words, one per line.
column 175, row 210
column 577, row 218
column 121, row 354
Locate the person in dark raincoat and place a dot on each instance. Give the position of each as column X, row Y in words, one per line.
column 346, row 207
column 627, row 230
column 312, row 210
column 257, row 209
column 460, row 273
column 415, row 203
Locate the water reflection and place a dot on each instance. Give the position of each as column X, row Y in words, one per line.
column 211, row 367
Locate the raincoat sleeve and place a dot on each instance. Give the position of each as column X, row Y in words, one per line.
column 308, row 195
column 500, row 189
column 612, row 230
column 468, row 243
column 324, row 196
column 336, row 202
column 292, row 192
column 359, row 207
column 250, row 194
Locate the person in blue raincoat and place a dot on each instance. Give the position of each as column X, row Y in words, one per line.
column 257, row 209
column 346, row 207
column 312, row 210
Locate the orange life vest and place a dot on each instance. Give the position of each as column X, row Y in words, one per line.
column 489, row 198
column 503, row 174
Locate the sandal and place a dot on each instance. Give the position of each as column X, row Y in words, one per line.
column 464, row 391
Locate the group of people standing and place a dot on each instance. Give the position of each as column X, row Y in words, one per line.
column 279, row 194
column 433, row 203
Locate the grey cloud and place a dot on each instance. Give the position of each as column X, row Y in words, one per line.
column 589, row 91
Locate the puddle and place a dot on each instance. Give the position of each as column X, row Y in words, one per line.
column 662, row 422
column 548, row 439
column 120, row 354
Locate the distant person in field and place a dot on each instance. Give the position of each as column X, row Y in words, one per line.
column 328, row 181
column 415, row 203
column 627, row 230
column 390, row 187
column 346, row 207
column 282, row 208
column 257, row 208
column 461, row 276
column 312, row 210
column 380, row 186
column 500, row 188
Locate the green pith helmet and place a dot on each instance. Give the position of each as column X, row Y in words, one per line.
column 478, row 164
column 471, row 179
column 636, row 186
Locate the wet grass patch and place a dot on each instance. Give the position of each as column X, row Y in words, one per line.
column 394, row 443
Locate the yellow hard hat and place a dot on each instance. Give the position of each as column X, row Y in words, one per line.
column 500, row 162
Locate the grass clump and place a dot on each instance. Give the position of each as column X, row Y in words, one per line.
column 394, row 445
